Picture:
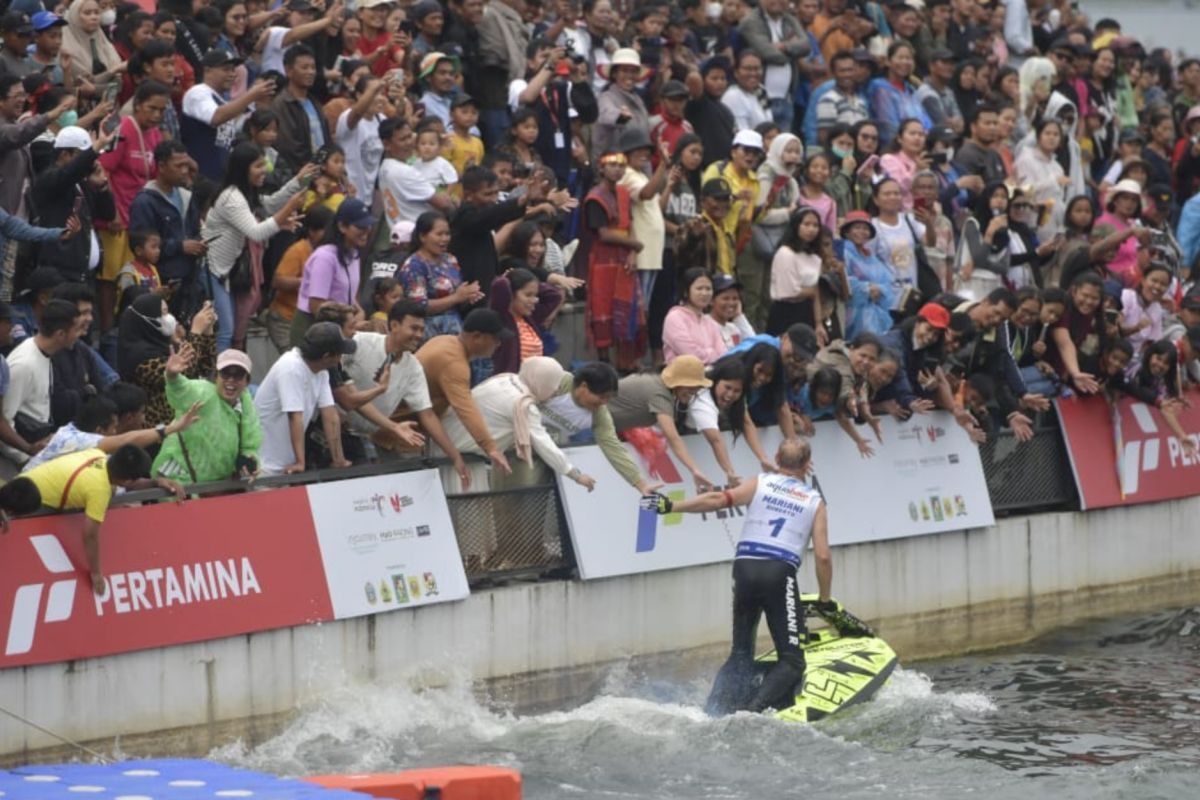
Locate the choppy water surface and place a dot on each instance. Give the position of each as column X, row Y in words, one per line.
column 1107, row 710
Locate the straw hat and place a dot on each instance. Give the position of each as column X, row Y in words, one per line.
column 685, row 371
column 625, row 57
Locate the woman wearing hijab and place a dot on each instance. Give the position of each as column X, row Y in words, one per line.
column 963, row 86
column 509, row 404
column 146, row 335
column 94, row 60
column 778, row 194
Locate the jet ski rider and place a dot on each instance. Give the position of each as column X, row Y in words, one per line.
column 782, row 514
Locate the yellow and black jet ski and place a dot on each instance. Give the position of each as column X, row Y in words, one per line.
column 845, row 664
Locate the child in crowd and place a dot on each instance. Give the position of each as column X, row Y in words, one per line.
column 462, row 148
column 262, row 128
column 331, row 187
column 141, row 270
column 429, row 161
column 387, row 293
column 47, row 42
column 523, row 138
column 290, row 272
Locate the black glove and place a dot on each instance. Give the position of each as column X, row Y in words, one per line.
column 657, row 502
column 842, row 620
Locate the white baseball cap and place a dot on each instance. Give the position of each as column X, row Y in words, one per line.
column 748, row 138
column 73, row 137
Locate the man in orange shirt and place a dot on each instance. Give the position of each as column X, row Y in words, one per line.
column 446, row 361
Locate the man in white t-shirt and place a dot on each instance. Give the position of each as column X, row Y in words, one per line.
column 406, row 382
column 357, row 133
column 304, row 22
column 30, row 376
column 295, row 388
column 406, row 193
column 210, row 125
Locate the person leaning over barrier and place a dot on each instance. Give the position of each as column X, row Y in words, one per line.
column 782, row 513
column 578, row 412
column 509, row 404
column 649, row 400
column 406, row 383
column 447, row 364
column 225, row 441
column 83, row 481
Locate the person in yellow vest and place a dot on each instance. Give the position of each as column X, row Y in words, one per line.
column 83, row 481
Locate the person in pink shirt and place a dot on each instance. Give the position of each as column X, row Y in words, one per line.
column 687, row 329
column 906, row 159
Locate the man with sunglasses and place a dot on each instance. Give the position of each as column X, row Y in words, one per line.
column 225, row 440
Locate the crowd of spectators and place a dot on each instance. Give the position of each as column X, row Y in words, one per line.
column 772, row 213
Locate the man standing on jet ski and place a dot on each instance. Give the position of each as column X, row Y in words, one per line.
column 782, row 514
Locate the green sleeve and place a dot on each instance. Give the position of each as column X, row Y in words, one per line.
column 183, row 392
column 251, row 430
column 605, row 434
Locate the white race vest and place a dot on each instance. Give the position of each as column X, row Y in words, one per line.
column 779, row 520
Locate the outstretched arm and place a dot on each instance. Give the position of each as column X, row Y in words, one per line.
column 740, row 495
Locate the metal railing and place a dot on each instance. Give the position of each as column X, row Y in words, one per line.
column 1028, row 477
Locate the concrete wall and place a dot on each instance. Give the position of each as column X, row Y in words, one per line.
column 930, row 595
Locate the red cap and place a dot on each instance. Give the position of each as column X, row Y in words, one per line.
column 935, row 315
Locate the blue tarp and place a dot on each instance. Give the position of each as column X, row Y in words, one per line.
column 156, row 779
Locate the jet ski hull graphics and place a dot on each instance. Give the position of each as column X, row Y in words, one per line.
column 840, row 671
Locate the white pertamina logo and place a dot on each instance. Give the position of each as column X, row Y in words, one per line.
column 28, row 599
column 1142, row 456
column 126, row 592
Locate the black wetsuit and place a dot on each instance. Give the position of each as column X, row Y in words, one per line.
column 762, row 586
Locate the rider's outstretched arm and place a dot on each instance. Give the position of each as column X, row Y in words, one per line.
column 823, row 560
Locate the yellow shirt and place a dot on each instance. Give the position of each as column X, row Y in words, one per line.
column 736, row 185
column 463, row 152
column 89, row 491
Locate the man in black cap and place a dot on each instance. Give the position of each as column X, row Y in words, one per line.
column 668, row 125
column 17, row 32
column 209, row 124
column 705, row 241
column 1062, row 54
column 936, row 95
column 447, row 363
column 290, row 396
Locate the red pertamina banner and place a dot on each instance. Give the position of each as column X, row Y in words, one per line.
column 1125, row 454
column 203, row 569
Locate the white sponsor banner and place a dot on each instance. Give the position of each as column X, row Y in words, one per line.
column 387, row 542
column 926, row 477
